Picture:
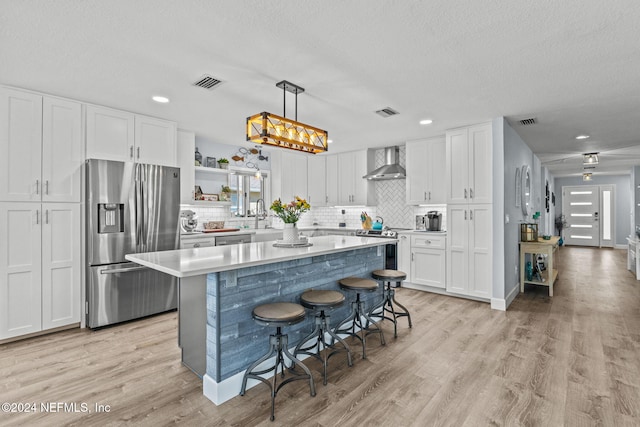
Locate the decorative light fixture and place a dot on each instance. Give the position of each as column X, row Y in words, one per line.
column 586, row 176
column 279, row 131
column 589, row 159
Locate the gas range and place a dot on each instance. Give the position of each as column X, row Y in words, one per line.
column 387, row 233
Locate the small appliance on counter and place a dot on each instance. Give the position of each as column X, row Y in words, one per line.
column 188, row 221
column 420, row 223
column 433, row 221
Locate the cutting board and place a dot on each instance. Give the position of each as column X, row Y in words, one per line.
column 221, row 230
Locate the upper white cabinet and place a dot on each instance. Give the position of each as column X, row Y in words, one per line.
column 332, row 180
column 186, row 143
column 317, row 180
column 353, row 189
column 40, row 146
column 469, row 164
column 127, row 137
column 39, row 267
column 425, row 171
column 288, row 175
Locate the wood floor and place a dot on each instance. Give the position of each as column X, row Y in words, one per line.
column 573, row 359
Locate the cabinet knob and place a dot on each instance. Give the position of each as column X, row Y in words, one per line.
column 471, row 193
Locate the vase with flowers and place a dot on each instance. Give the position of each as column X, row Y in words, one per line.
column 290, row 214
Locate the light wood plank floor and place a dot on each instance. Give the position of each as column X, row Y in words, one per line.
column 568, row 360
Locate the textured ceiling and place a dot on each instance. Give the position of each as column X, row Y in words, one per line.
column 574, row 65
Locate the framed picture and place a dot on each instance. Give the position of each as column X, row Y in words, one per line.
column 197, row 191
column 211, row 197
column 518, row 187
column 211, row 162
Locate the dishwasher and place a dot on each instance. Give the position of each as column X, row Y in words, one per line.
column 233, row 240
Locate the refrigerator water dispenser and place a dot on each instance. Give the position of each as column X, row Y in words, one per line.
column 110, row 218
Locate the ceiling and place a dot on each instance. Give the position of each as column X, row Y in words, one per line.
column 573, row 65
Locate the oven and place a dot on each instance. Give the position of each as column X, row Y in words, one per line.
column 391, row 250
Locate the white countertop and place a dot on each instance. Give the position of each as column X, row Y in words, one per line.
column 444, row 233
column 198, row 261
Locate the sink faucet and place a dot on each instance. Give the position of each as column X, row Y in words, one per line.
column 259, row 203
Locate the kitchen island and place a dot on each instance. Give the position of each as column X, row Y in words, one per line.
column 220, row 286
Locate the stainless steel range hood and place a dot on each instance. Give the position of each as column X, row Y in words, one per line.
column 391, row 169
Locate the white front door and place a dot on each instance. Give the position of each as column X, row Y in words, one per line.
column 581, row 208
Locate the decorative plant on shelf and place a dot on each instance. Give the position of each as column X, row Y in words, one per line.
column 224, row 163
column 225, row 193
column 290, row 213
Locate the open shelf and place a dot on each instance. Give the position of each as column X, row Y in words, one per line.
column 211, row 170
column 545, row 276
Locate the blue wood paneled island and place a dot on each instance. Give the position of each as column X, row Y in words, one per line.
column 220, row 286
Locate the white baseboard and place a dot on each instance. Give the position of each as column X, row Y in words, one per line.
column 503, row 304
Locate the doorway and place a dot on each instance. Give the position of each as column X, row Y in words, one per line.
column 589, row 213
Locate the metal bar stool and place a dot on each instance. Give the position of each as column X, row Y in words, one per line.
column 358, row 312
column 278, row 314
column 389, row 298
column 319, row 301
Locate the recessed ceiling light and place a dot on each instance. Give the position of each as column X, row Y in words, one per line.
column 161, row 99
column 426, row 122
column 582, row 136
column 329, row 141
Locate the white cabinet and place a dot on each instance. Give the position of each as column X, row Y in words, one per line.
column 317, row 180
column 40, row 148
column 426, row 160
column 190, row 241
column 123, row 136
column 39, row 267
column 403, row 253
column 332, row 180
column 428, row 260
column 469, row 250
column 288, row 175
column 469, row 164
column 353, row 189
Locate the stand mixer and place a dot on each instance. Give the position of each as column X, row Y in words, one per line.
column 188, row 221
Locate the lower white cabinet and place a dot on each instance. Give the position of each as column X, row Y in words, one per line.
column 190, row 241
column 428, row 260
column 469, row 250
column 403, row 254
column 39, row 267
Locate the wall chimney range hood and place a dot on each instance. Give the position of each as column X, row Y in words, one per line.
column 391, row 168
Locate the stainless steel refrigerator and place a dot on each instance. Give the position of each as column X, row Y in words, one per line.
column 131, row 208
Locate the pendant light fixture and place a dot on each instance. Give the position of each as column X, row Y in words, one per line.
column 279, row 131
column 589, row 159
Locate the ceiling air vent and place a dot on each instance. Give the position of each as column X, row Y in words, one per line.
column 387, row 112
column 528, row 122
column 207, row 82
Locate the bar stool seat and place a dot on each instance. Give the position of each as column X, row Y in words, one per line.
column 278, row 314
column 319, row 301
column 358, row 312
column 389, row 299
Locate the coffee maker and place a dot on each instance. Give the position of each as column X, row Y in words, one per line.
column 433, row 221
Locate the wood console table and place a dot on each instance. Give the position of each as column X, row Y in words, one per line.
column 542, row 246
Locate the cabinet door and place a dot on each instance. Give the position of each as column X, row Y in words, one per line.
column 20, row 146
column 481, row 164
column 155, row 141
column 457, row 248
column 417, row 162
column 361, row 186
column 332, row 180
column 62, row 150
column 60, row 264
column 458, row 166
column 428, row 267
column 480, row 251
column 436, row 192
column 317, row 180
column 186, row 142
column 110, row 134
column 20, row 269
column 345, row 179
column 404, row 255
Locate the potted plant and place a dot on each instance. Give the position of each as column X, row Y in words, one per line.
column 223, row 163
column 225, row 193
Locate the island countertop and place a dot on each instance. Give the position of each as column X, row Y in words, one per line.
column 198, row 261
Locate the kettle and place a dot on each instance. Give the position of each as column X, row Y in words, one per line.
column 378, row 224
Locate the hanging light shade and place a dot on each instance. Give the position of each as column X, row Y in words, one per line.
column 279, row 131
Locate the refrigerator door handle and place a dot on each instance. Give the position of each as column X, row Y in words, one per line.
column 121, row 270
column 138, row 207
